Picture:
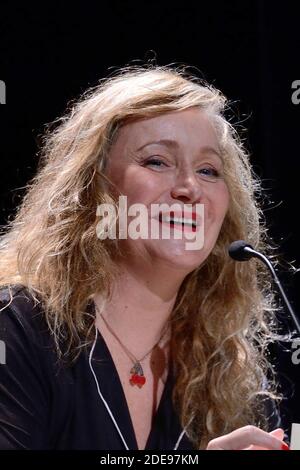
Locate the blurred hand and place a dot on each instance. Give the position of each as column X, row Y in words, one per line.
column 249, row 438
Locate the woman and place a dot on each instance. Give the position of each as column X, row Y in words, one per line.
column 126, row 342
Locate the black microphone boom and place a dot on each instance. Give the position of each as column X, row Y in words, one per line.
column 242, row 251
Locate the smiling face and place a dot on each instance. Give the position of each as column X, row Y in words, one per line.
column 172, row 158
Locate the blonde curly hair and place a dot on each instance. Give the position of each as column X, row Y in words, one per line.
column 222, row 318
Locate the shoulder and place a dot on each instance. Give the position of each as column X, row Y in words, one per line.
column 16, row 295
column 36, row 397
column 30, row 355
column 23, row 327
column 20, row 309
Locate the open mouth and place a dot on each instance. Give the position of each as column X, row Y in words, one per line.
column 178, row 221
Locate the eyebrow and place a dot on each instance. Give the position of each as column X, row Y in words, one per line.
column 174, row 145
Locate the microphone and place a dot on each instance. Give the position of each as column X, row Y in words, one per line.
column 239, row 250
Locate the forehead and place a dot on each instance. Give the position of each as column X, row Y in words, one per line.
column 184, row 127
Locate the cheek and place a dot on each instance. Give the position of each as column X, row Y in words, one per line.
column 139, row 186
column 219, row 200
column 224, row 200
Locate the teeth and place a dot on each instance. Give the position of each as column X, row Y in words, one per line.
column 179, row 220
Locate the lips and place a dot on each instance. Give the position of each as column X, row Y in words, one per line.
column 187, row 221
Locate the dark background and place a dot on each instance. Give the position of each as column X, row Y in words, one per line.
column 50, row 53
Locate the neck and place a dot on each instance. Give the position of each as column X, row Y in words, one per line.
column 141, row 303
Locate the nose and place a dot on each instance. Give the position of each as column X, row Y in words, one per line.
column 187, row 188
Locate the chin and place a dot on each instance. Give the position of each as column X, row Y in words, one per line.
column 181, row 259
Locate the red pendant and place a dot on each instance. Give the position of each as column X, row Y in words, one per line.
column 137, row 377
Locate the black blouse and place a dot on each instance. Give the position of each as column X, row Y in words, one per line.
column 44, row 405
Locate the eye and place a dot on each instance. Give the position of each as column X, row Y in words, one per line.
column 209, row 173
column 155, row 162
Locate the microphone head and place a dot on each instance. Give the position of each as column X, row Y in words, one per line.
column 238, row 252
